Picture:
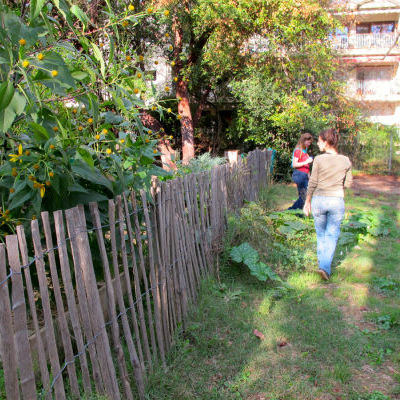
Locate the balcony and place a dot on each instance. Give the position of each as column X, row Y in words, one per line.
column 366, row 41
column 377, row 91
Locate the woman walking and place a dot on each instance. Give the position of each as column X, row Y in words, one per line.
column 301, row 163
column 325, row 197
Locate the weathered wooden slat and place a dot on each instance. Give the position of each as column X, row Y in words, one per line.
column 24, row 356
column 8, row 351
column 94, row 211
column 136, row 279
column 69, row 293
column 96, row 313
column 138, row 235
column 41, row 355
column 172, row 287
column 65, row 335
column 153, row 280
column 85, row 319
column 48, row 318
column 122, row 233
column 162, row 246
column 127, row 331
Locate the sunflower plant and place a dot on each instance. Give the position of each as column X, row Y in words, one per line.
column 71, row 95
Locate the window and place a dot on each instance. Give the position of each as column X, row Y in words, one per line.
column 375, row 27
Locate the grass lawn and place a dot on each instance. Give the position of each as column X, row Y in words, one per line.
column 335, row 340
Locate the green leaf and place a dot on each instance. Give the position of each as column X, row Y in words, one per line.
column 244, row 254
column 99, row 57
column 39, row 133
column 20, row 197
column 18, row 103
column 7, row 117
column 81, row 15
column 35, row 8
column 6, row 94
column 93, row 175
column 86, row 156
column 79, row 75
column 76, row 187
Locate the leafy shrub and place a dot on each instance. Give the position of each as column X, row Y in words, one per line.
column 204, row 162
column 70, row 124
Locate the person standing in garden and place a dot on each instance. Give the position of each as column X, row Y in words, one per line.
column 325, row 197
column 301, row 163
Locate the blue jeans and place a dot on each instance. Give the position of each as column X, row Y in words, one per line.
column 328, row 213
column 301, row 180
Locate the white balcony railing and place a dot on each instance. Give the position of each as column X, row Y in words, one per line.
column 366, row 41
column 377, row 89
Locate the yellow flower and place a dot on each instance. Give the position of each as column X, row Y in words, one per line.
column 122, row 141
column 52, row 147
column 33, row 217
column 141, row 58
column 150, row 132
column 166, row 13
column 27, row 152
column 175, row 79
column 166, row 88
column 108, row 151
column 154, row 108
column 179, row 98
column 12, row 190
column 170, row 47
column 101, row 44
column 150, row 10
column 90, row 120
column 128, row 58
column 36, row 166
column 31, row 177
column 14, row 172
column 156, row 62
column 169, row 110
column 173, row 64
column 48, row 183
column 15, row 157
column 155, row 151
column 22, row 42
column 51, row 174
column 167, row 35
column 42, row 191
column 40, row 56
column 171, row 137
column 131, row 7
column 104, row 131
column 147, row 141
column 139, row 75
column 74, row 110
column 136, row 90
column 125, row 24
column 25, row 63
column 54, row 73
column 179, row 116
column 55, row 128
column 80, row 128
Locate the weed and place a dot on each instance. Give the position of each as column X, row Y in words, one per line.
column 385, row 285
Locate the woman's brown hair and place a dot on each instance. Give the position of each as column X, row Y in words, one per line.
column 303, row 138
column 330, row 136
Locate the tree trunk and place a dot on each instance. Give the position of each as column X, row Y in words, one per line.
column 182, row 94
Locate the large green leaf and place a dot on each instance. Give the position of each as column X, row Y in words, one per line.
column 20, row 197
column 93, row 175
column 86, row 156
column 99, row 57
column 6, row 94
column 39, row 133
column 35, row 8
column 244, row 254
column 15, row 107
column 81, row 15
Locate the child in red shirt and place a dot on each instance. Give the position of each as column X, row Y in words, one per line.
column 301, row 163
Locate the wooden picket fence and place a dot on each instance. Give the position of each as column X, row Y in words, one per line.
column 63, row 333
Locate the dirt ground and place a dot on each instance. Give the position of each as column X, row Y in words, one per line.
column 377, row 183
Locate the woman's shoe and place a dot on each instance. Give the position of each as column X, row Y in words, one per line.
column 323, row 274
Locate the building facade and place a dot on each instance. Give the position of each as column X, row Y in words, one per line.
column 369, row 48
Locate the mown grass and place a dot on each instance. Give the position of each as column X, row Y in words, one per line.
column 339, row 340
